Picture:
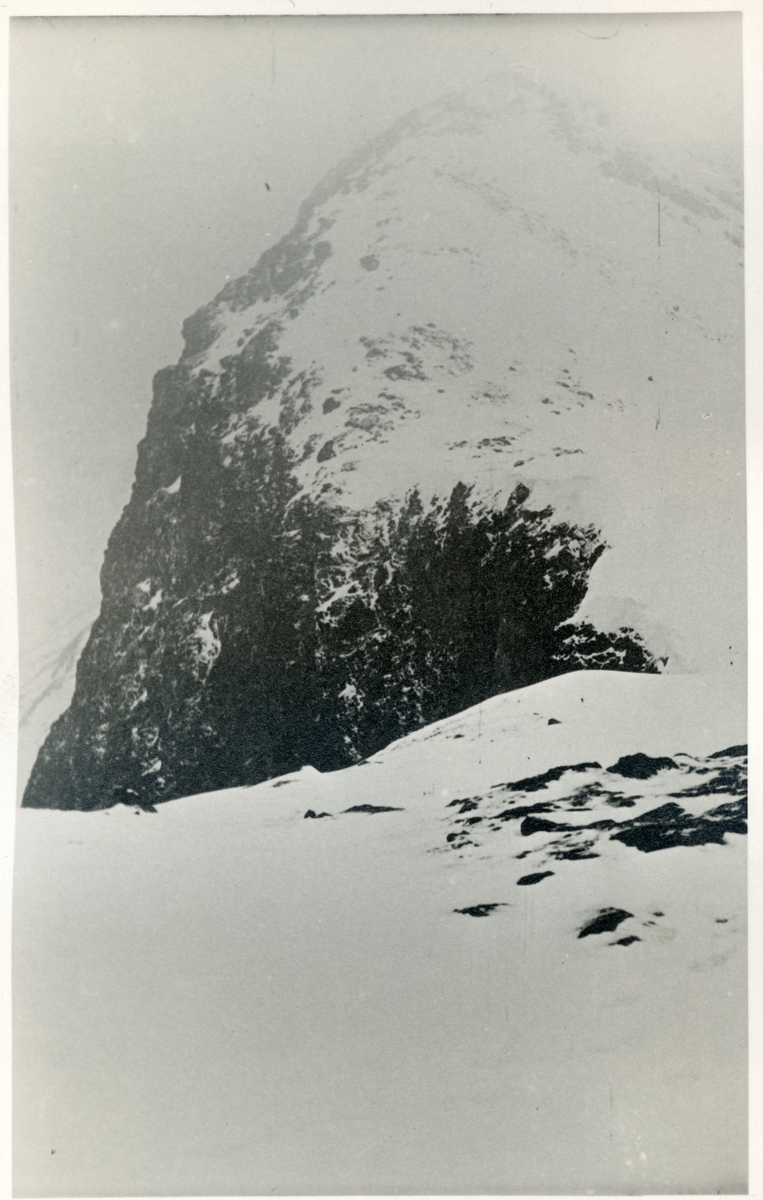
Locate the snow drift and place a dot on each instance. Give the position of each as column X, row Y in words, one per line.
column 506, row 954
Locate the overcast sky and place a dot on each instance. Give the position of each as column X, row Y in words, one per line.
column 140, row 152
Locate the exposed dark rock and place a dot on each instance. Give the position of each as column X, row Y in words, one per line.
column 372, row 808
column 464, row 806
column 532, row 825
column 479, row 910
column 606, row 921
column 326, row 452
column 588, row 648
column 535, row 782
column 220, row 671
column 729, row 780
column 732, row 752
column 670, row 825
column 522, row 810
column 575, row 852
column 640, row 766
column 665, row 826
column 536, row 877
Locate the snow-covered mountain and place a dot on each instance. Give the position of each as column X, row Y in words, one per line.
column 475, row 421
column 504, row 955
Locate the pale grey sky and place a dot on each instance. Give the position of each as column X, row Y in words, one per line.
column 140, row 152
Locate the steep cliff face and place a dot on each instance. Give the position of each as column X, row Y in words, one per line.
column 445, row 439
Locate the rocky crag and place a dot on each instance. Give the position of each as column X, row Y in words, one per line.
column 444, row 440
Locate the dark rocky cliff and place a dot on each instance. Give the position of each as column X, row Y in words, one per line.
column 221, row 670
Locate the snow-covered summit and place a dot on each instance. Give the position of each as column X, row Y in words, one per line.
column 502, row 290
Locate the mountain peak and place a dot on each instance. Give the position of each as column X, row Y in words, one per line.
column 447, row 437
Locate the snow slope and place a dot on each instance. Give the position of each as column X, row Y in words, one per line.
column 230, row 997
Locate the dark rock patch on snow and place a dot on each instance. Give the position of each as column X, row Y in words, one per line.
column 522, row 810
column 536, row 877
column 640, row 766
column 670, row 825
column 326, row 452
column 732, row 752
column 573, row 836
column 606, row 921
column 535, row 782
column 532, row 825
column 574, row 850
column 466, row 805
column 731, row 779
column 372, row 808
column 479, row 910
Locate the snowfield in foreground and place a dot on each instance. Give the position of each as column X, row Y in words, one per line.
column 506, row 954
